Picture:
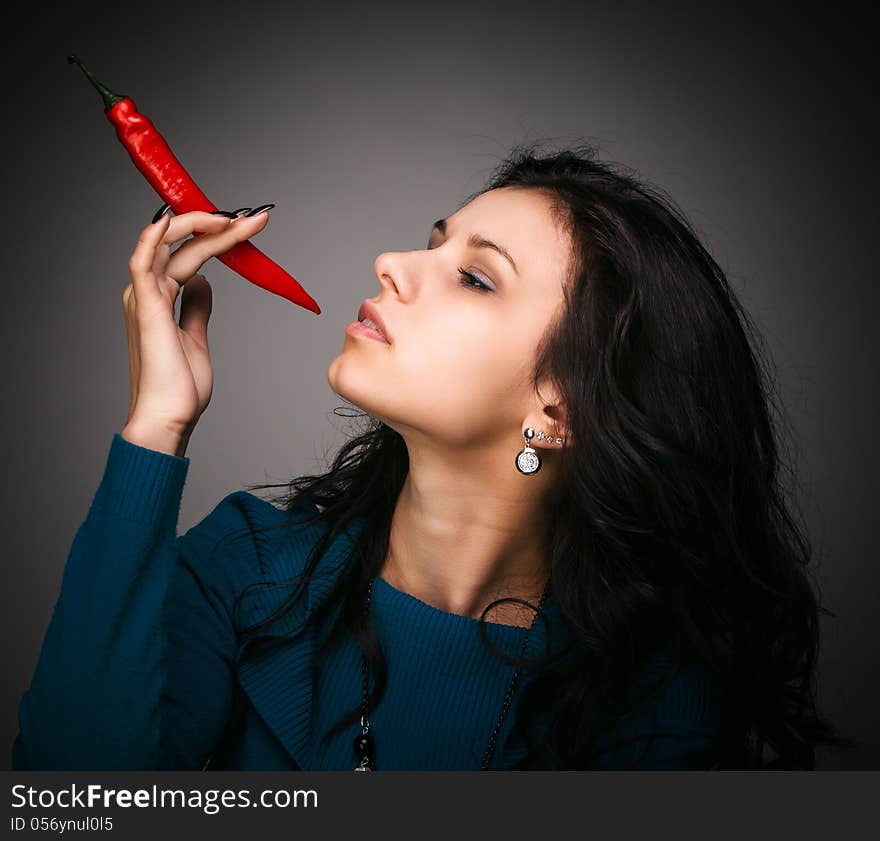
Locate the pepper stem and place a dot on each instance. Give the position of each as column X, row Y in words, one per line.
column 110, row 99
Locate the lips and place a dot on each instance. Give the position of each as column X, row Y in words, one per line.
column 369, row 310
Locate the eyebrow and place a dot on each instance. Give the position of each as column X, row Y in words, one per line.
column 477, row 241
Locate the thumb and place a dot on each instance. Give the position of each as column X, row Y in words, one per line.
column 195, row 307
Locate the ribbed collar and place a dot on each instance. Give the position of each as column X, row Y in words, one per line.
column 457, row 677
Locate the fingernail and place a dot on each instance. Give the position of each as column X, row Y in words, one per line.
column 225, row 213
column 261, row 209
column 241, row 210
column 160, row 213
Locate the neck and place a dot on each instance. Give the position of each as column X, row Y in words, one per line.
column 466, row 531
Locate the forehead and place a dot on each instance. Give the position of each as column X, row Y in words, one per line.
column 522, row 221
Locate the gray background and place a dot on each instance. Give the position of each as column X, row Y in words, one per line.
column 364, row 123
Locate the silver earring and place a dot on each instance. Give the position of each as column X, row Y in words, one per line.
column 527, row 460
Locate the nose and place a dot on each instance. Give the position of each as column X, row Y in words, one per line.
column 388, row 269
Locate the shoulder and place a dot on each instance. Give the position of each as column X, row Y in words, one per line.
column 687, row 691
column 252, row 555
column 237, row 542
column 677, row 725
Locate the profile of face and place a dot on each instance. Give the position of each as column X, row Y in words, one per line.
column 457, row 368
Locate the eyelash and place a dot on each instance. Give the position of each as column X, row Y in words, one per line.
column 471, row 281
column 482, row 287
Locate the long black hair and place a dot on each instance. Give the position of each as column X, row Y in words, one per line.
column 675, row 519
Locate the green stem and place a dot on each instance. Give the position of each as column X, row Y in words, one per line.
column 110, row 99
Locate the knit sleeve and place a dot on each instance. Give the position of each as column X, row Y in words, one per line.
column 136, row 666
column 681, row 731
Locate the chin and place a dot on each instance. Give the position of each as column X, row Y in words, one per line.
column 348, row 379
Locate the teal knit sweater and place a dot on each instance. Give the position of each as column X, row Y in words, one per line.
column 144, row 664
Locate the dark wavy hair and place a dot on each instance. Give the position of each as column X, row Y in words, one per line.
column 675, row 519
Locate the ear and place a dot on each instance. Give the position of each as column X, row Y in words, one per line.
column 549, row 416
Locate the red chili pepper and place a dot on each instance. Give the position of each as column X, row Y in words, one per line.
column 154, row 158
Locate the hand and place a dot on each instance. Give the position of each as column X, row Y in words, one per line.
column 171, row 373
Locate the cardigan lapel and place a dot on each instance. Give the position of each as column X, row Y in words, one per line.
column 275, row 662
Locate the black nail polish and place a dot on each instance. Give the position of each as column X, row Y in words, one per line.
column 228, row 214
column 241, row 210
column 259, row 209
column 160, row 213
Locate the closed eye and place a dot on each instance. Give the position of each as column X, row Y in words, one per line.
column 471, row 281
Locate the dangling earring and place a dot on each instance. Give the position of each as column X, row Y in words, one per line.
column 528, row 461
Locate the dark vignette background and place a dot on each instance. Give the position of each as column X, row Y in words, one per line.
column 364, row 123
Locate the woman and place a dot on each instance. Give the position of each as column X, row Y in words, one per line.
column 569, row 419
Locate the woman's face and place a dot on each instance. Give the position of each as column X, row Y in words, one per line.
column 458, row 366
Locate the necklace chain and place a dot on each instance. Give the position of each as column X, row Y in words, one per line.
column 364, row 744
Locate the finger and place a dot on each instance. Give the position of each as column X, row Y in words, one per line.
column 160, row 259
column 188, row 259
column 195, row 308
column 195, row 220
column 201, row 221
column 141, row 260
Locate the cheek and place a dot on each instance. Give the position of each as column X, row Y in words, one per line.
column 464, row 374
column 449, row 379
column 456, row 350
